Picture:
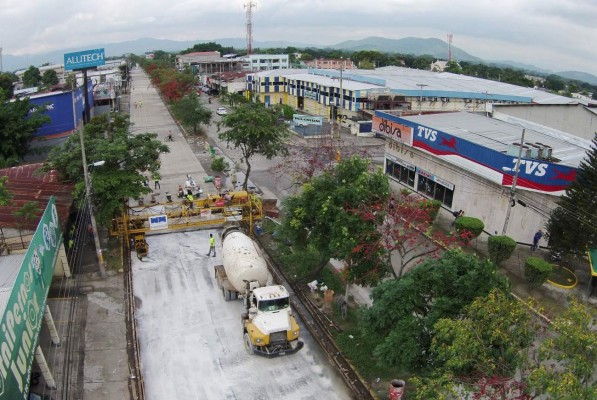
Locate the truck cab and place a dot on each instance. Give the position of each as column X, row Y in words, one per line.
column 270, row 329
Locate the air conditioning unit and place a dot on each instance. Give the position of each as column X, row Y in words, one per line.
column 533, row 150
column 468, row 100
column 435, row 99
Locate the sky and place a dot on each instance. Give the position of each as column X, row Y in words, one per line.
column 557, row 35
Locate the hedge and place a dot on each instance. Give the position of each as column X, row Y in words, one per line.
column 500, row 248
column 473, row 225
column 536, row 271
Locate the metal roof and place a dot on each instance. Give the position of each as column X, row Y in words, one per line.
column 499, row 135
column 27, row 183
column 406, row 81
column 333, row 81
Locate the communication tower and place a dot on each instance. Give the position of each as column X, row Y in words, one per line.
column 249, row 7
column 449, row 47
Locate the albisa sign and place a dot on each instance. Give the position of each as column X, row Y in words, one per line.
column 84, row 59
column 22, row 317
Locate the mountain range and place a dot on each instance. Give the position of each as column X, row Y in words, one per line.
column 415, row 46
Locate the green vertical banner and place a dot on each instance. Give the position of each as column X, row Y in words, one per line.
column 22, row 317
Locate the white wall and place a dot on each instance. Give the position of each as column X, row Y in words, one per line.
column 482, row 199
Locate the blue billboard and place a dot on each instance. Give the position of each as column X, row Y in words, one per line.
column 59, row 107
column 84, row 59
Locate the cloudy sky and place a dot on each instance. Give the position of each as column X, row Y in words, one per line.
column 552, row 34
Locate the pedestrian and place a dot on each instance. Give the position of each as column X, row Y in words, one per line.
column 180, row 192
column 536, row 238
column 140, row 104
column 392, row 203
column 146, row 181
column 135, row 104
column 212, row 244
column 457, row 214
column 156, row 183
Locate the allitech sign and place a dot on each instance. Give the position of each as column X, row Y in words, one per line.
column 84, row 59
column 22, row 317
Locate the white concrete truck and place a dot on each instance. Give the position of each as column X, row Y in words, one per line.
column 269, row 328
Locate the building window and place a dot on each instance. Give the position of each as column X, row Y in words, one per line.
column 402, row 173
column 435, row 190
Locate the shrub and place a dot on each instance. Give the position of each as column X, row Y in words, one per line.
column 473, row 225
column 500, row 248
column 536, row 271
column 433, row 207
column 219, row 164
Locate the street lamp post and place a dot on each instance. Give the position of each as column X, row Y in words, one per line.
column 513, row 188
column 98, row 246
column 421, row 86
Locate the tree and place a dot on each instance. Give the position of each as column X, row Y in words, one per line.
column 567, row 359
column 572, row 226
column 5, row 195
column 500, row 248
column 233, row 99
column 19, row 120
column 305, row 161
column 404, row 312
column 31, row 77
column 127, row 158
column 49, row 78
column 339, row 211
column 6, row 84
column 453, row 66
column 192, row 111
column 253, row 130
column 408, row 232
column 480, row 351
column 27, row 213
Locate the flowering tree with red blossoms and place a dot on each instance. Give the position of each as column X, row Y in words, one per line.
column 407, row 232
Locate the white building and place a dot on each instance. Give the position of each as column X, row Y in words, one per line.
column 468, row 161
column 265, row 62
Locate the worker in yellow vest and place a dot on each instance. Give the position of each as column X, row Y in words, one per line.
column 212, row 245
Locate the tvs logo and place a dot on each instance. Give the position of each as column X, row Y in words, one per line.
column 427, row 133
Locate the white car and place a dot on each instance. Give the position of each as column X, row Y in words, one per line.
column 221, row 111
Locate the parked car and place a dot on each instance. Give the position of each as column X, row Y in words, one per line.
column 221, row 111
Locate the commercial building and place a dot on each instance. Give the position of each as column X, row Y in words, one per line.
column 29, row 260
column 265, row 62
column 468, row 161
column 331, row 63
column 409, row 91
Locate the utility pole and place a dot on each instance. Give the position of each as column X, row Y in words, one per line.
column 339, row 104
column 511, row 201
column 421, row 86
column 98, row 247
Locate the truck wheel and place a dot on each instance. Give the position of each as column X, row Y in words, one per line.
column 249, row 345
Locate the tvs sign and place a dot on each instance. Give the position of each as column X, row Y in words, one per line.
column 393, row 130
column 84, row 59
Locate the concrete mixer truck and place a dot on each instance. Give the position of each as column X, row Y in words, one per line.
column 269, row 328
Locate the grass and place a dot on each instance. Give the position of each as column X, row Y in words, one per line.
column 113, row 254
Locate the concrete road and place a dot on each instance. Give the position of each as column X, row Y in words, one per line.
column 191, row 339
